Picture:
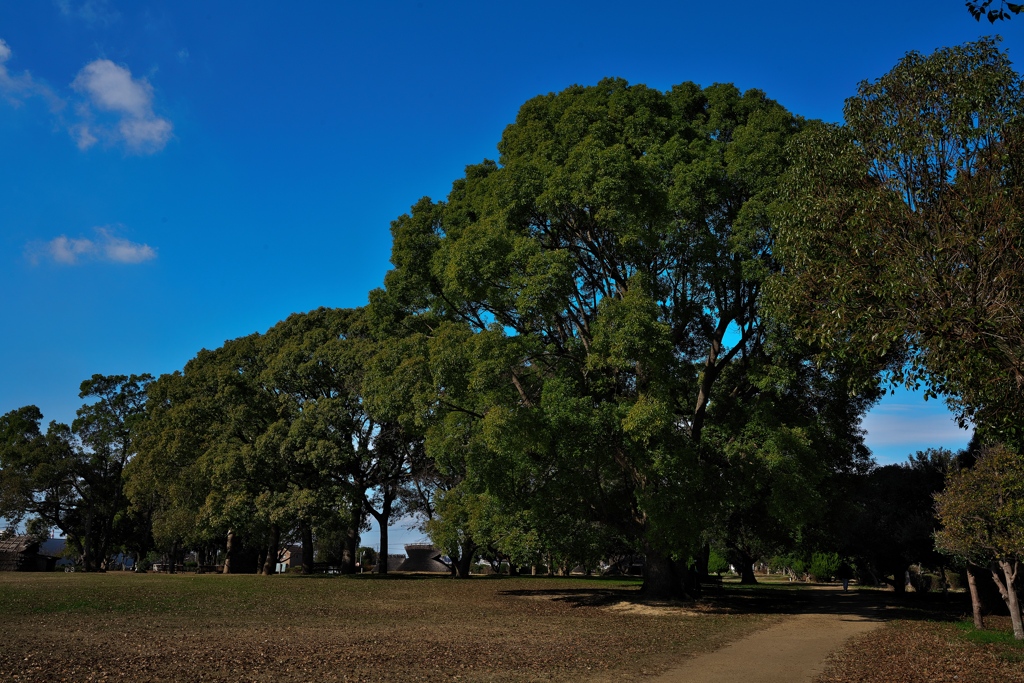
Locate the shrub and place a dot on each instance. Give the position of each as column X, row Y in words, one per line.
column 717, row 563
column 824, row 566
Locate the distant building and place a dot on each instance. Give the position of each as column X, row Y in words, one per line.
column 21, row 554
column 422, row 558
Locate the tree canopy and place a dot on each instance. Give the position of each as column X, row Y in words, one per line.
column 582, row 313
column 900, row 233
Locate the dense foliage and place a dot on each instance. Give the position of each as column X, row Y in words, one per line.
column 647, row 331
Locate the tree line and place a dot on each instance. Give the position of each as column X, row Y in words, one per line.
column 650, row 327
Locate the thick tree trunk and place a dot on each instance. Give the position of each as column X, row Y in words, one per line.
column 746, row 567
column 464, row 565
column 351, row 548
column 270, row 563
column 1009, row 593
column 661, row 578
column 307, row 549
column 382, row 556
column 972, row 585
column 87, row 553
column 383, row 519
column 229, row 552
column 899, row 581
column 700, row 564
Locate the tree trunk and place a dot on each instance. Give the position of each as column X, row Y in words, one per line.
column 270, row 564
column 229, row 552
column 383, row 519
column 700, row 564
column 899, row 581
column 1009, row 593
column 661, row 578
column 382, row 556
column 972, row 585
column 307, row 549
column 351, row 548
column 464, row 565
column 746, row 567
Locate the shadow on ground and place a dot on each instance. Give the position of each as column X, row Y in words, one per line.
column 867, row 603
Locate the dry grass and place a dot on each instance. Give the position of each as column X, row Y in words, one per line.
column 930, row 652
column 248, row 628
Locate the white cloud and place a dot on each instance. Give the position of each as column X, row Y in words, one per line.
column 115, row 108
column 109, row 88
column 69, row 251
column 107, row 247
column 121, row 250
column 16, row 88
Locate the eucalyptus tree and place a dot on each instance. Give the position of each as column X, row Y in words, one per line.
column 574, row 306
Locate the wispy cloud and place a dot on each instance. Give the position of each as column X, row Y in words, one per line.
column 16, row 88
column 109, row 88
column 106, row 247
column 91, row 12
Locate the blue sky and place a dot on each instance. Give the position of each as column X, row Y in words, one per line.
column 174, row 174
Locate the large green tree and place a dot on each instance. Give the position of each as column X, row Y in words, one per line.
column 900, row 232
column 574, row 310
column 71, row 477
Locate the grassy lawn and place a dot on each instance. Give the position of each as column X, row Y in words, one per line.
column 186, row 627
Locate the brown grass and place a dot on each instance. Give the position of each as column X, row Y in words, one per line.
column 930, row 652
column 247, row 628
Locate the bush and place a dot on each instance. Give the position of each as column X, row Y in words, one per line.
column 793, row 564
column 824, row 566
column 717, row 563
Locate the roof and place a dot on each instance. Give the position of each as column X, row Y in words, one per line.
column 18, row 544
column 423, row 557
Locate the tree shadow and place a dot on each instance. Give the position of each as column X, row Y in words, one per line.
column 863, row 603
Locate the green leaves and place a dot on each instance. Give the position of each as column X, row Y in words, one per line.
column 899, row 234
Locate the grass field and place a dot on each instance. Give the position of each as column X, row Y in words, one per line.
column 155, row 627
column 122, row 626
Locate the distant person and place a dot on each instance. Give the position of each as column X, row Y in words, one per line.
column 844, row 574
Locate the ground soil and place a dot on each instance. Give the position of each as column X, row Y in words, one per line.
column 57, row 627
column 247, row 628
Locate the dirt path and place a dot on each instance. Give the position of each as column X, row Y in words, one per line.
column 792, row 651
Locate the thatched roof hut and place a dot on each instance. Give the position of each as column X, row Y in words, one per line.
column 21, row 554
column 423, row 557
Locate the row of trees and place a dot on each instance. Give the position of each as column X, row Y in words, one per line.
column 651, row 326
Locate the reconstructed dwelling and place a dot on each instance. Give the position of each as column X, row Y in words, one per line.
column 21, row 554
column 423, row 557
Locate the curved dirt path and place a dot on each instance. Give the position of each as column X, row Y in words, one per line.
column 794, row 650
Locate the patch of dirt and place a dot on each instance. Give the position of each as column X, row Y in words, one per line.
column 651, row 609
